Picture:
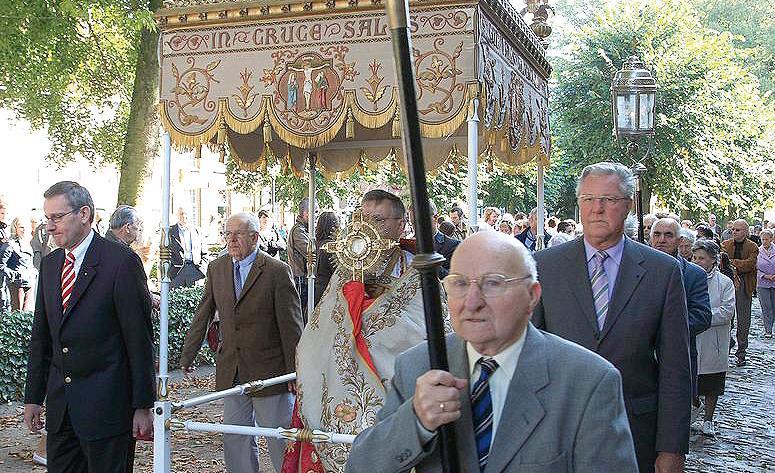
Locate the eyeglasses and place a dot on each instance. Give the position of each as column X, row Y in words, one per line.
column 56, row 218
column 491, row 285
column 240, row 234
column 380, row 220
column 605, row 200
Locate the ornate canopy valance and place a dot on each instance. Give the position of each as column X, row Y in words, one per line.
column 278, row 79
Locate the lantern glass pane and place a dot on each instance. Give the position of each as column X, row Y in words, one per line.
column 647, row 111
column 625, row 111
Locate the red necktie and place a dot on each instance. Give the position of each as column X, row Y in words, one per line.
column 68, row 278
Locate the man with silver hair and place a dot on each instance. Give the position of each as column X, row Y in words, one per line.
column 125, row 226
column 665, row 237
column 626, row 302
column 260, row 322
column 688, row 237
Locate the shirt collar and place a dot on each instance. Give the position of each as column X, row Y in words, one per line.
column 507, row 359
column 80, row 250
column 614, row 252
column 248, row 260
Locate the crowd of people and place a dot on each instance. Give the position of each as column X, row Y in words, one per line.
column 650, row 324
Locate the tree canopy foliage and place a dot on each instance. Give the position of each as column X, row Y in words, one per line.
column 753, row 24
column 715, row 137
column 69, row 67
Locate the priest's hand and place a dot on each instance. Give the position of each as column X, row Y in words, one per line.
column 437, row 398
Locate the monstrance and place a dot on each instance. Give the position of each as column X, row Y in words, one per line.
column 360, row 246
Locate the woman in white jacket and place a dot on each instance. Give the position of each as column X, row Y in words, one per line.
column 713, row 344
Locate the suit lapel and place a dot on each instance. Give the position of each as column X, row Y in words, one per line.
column 255, row 272
column 466, row 443
column 85, row 274
column 522, row 410
column 578, row 276
column 54, row 281
column 630, row 275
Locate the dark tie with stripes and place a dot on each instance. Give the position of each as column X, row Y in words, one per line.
column 481, row 405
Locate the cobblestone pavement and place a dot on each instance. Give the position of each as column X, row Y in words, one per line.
column 744, row 443
column 745, row 415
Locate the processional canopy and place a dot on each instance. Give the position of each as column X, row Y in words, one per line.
column 270, row 80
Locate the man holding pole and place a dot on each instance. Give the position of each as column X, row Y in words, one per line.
column 518, row 397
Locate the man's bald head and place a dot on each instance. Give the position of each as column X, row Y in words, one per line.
column 491, row 291
column 496, row 247
column 740, row 230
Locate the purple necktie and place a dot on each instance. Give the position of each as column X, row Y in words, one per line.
column 600, row 289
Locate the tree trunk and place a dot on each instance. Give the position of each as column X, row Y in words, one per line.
column 142, row 137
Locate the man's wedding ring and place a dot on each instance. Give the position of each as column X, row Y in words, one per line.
column 442, row 407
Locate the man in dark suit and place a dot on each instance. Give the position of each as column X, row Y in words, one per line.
column 125, row 226
column 665, row 237
column 521, row 400
column 260, row 320
column 91, row 353
column 626, row 302
column 530, row 235
column 442, row 244
column 186, row 252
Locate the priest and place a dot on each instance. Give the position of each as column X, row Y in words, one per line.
column 366, row 318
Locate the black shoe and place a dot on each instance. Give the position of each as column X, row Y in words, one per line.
column 741, row 362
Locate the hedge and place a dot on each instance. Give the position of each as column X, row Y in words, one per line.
column 183, row 304
column 16, row 328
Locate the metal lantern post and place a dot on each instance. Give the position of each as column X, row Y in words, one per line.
column 633, row 101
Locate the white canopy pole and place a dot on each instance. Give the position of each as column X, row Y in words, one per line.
column 473, row 157
column 162, row 408
column 311, row 248
column 293, row 435
column 238, row 390
column 541, row 214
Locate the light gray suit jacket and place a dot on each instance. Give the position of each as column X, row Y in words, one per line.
column 564, row 412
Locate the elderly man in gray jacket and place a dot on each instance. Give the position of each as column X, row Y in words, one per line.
column 520, row 399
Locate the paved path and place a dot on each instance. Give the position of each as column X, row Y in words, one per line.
column 745, row 416
column 744, row 443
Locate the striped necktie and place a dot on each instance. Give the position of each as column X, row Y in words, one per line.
column 68, row 278
column 600, row 288
column 481, row 406
column 237, row 281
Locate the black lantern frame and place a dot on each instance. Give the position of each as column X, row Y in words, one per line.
column 633, row 103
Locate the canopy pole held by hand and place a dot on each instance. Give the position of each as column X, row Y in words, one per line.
column 426, row 261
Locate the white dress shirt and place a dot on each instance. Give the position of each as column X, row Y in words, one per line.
column 185, row 240
column 80, row 252
column 500, row 379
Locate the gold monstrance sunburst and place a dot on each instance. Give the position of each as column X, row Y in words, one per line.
column 360, row 246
